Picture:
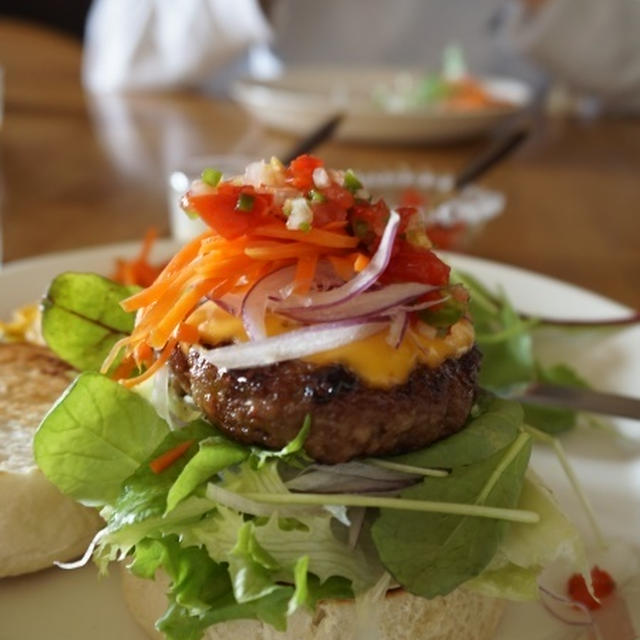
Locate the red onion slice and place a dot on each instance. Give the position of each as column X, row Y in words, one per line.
column 350, row 477
column 363, row 470
column 325, row 278
column 255, row 302
column 292, row 345
column 368, row 276
column 366, row 304
column 231, row 303
column 565, row 609
column 424, row 305
column 325, row 482
column 397, row 329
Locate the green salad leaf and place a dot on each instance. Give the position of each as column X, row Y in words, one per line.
column 95, row 436
column 144, row 493
column 215, row 454
column 201, row 593
column 506, row 341
column 82, row 318
column 553, row 419
column 290, row 451
column 431, row 554
column 526, row 550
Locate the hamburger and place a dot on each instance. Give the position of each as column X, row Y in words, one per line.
column 286, row 431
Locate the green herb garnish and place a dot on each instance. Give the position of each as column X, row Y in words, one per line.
column 211, row 176
column 245, row 202
column 317, row 196
column 351, row 182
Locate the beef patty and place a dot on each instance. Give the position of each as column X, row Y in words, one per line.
column 266, row 406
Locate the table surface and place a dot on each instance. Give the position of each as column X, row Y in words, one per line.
column 77, row 171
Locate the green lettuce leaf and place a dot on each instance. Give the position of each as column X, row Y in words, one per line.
column 201, row 592
column 82, row 318
column 251, row 567
column 506, row 342
column 431, row 554
column 527, row 549
column 289, row 452
column 551, row 419
column 215, row 454
column 95, row 437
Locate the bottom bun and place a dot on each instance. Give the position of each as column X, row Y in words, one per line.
column 38, row 524
column 461, row 615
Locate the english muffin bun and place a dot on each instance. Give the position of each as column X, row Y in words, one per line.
column 38, row 524
column 461, row 615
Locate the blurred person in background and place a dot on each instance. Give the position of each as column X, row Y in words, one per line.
column 591, row 46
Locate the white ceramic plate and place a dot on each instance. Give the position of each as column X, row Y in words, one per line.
column 301, row 98
column 76, row 605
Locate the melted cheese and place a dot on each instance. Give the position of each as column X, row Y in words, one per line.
column 372, row 358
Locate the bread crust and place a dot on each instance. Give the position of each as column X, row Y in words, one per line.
column 460, row 615
column 38, row 524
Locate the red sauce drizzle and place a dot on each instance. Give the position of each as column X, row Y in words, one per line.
column 603, row 585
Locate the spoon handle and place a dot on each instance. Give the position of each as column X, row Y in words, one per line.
column 319, row 135
column 498, row 150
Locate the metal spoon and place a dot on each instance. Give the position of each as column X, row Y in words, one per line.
column 499, row 149
column 319, row 135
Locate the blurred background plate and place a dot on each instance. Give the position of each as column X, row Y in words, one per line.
column 302, row 97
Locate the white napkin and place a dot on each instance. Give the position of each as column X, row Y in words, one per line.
column 162, row 44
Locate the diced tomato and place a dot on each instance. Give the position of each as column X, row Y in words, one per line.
column 372, row 217
column 219, row 209
column 301, row 171
column 603, row 585
column 326, row 212
column 446, row 237
column 405, row 213
column 411, row 197
column 414, row 264
column 341, row 196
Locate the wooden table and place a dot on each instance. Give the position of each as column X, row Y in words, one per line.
column 78, row 172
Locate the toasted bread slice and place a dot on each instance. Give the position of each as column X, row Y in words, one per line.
column 38, row 524
column 400, row 615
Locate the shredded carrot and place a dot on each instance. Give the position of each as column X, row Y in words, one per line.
column 336, row 224
column 162, row 358
column 139, row 270
column 319, row 237
column 305, row 271
column 113, row 354
column 169, row 457
column 360, row 261
column 164, row 279
column 161, row 333
column 125, row 368
column 279, row 251
column 343, row 266
column 143, row 353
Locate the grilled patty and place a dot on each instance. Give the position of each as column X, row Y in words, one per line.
column 267, row 405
